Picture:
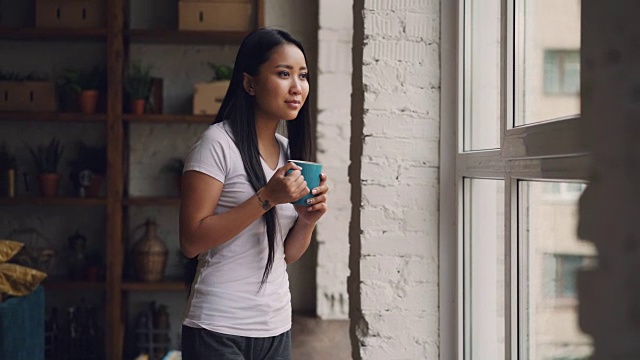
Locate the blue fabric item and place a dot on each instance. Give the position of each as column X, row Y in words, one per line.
column 22, row 327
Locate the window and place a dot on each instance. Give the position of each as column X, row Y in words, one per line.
column 562, row 191
column 519, row 167
column 559, row 280
column 562, row 72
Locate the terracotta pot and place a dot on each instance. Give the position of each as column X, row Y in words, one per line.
column 93, row 190
column 137, row 106
column 88, row 101
column 49, row 184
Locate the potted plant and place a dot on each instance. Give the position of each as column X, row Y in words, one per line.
column 174, row 167
column 7, row 171
column 88, row 169
column 47, row 158
column 208, row 96
column 138, row 82
column 83, row 88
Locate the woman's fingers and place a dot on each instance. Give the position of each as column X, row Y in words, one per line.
column 317, row 199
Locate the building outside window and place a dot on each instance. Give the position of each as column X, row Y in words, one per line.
column 559, row 275
column 562, row 72
column 520, row 170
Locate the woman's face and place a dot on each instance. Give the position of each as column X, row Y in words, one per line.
column 281, row 86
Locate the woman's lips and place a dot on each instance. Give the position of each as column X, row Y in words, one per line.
column 293, row 103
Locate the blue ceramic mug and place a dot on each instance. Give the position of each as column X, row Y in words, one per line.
column 311, row 173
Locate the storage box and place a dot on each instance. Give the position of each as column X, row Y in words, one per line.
column 70, row 14
column 215, row 16
column 27, row 96
column 219, row 1
column 207, row 97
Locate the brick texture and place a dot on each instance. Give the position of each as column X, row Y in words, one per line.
column 334, row 132
column 397, row 285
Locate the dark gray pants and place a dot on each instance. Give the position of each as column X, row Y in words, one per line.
column 203, row 344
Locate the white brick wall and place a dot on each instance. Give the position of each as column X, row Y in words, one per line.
column 398, row 284
column 334, row 132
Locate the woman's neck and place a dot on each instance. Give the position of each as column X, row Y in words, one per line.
column 266, row 131
column 267, row 143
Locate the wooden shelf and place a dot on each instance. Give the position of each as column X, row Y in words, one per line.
column 151, row 201
column 169, row 118
column 164, row 285
column 52, row 117
column 67, row 201
column 64, row 284
column 160, row 36
column 32, row 33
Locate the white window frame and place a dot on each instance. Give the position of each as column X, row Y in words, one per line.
column 551, row 150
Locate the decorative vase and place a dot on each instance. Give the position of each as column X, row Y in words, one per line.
column 150, row 254
column 77, row 259
column 49, row 184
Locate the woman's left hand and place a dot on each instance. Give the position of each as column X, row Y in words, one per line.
column 311, row 213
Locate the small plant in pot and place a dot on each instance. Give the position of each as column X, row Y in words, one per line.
column 174, row 167
column 138, row 82
column 88, row 169
column 82, row 88
column 47, row 158
column 8, row 167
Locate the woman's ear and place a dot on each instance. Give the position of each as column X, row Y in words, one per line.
column 247, row 83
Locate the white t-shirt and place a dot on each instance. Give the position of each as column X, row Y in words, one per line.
column 225, row 295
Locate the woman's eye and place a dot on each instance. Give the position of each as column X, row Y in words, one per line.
column 304, row 76
column 284, row 73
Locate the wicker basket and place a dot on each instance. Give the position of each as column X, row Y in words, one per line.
column 150, row 255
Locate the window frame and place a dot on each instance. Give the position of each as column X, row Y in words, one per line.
column 549, row 150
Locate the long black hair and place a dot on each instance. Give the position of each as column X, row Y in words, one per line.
column 238, row 110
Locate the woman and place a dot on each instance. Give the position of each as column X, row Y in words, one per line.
column 235, row 213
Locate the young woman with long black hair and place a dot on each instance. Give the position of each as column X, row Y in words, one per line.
column 235, row 212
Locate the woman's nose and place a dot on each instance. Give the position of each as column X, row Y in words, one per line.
column 296, row 87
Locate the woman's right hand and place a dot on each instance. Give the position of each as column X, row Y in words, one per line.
column 285, row 188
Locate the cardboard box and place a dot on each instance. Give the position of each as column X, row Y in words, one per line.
column 207, row 97
column 70, row 14
column 215, row 16
column 28, row 96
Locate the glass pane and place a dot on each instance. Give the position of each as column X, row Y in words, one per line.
column 484, row 269
column 482, row 75
column 548, row 265
column 547, row 60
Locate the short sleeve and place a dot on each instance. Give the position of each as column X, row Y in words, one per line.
column 210, row 154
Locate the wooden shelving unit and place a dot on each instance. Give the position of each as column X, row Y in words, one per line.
column 184, row 37
column 151, row 201
column 117, row 38
column 166, row 285
column 52, row 34
column 49, row 201
column 168, row 118
column 52, row 117
column 67, row 285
